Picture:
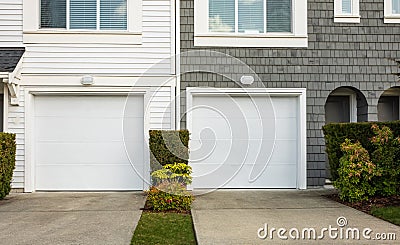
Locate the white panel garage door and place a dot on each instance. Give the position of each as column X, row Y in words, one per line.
column 79, row 143
column 243, row 142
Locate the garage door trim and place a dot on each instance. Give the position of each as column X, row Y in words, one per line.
column 300, row 93
column 30, row 94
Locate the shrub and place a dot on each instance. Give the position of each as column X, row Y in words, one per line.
column 177, row 172
column 7, row 162
column 169, row 196
column 356, row 173
column 168, row 147
column 336, row 133
column 169, row 192
column 384, row 156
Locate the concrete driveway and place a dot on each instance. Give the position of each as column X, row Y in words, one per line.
column 240, row 217
column 70, row 218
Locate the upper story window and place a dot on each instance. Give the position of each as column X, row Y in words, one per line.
column 251, row 23
column 250, row 16
column 84, row 14
column 392, row 11
column 347, row 11
column 96, row 21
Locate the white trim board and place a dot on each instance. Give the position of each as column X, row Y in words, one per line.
column 31, row 92
column 300, row 93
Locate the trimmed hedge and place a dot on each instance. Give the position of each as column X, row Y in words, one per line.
column 336, row 133
column 7, row 162
column 168, row 147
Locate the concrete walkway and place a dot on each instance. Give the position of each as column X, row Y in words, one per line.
column 69, row 218
column 236, row 217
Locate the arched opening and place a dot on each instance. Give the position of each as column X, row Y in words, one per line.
column 346, row 104
column 388, row 105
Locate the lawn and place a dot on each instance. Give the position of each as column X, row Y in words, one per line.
column 391, row 214
column 164, row 228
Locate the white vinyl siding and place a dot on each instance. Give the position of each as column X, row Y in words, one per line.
column 16, row 125
column 11, row 23
column 152, row 57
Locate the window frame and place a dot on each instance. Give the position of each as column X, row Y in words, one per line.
column 389, row 17
column 32, row 33
column 297, row 38
column 353, row 17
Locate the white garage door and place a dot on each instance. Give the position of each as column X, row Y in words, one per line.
column 243, row 142
column 79, row 143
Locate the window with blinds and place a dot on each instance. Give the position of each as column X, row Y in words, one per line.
column 396, row 6
column 84, row 14
column 53, row 14
column 346, row 7
column 250, row 16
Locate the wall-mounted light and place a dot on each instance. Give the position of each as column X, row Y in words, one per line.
column 247, row 80
column 87, row 80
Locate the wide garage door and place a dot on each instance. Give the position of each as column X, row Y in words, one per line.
column 79, row 143
column 244, row 141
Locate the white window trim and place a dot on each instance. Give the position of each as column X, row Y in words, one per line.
column 340, row 17
column 33, row 34
column 389, row 16
column 203, row 37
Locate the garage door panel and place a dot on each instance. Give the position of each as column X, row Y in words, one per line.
column 84, row 178
column 253, row 136
column 98, row 152
column 66, row 128
column 282, row 176
column 85, row 106
column 79, row 143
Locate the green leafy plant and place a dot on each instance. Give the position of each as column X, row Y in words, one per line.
column 336, row 133
column 169, row 196
column 356, row 173
column 169, row 190
column 177, row 172
column 168, row 147
column 385, row 158
column 7, row 162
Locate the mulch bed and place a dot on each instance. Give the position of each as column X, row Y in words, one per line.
column 149, row 208
column 366, row 206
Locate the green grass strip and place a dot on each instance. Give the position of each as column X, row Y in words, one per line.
column 164, row 228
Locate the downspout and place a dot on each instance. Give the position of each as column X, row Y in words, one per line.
column 177, row 65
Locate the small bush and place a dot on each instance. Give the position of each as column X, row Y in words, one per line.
column 384, row 156
column 168, row 147
column 7, row 162
column 169, row 191
column 169, row 196
column 177, row 172
column 336, row 133
column 356, row 173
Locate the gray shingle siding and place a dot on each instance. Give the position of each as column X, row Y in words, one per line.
column 364, row 56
